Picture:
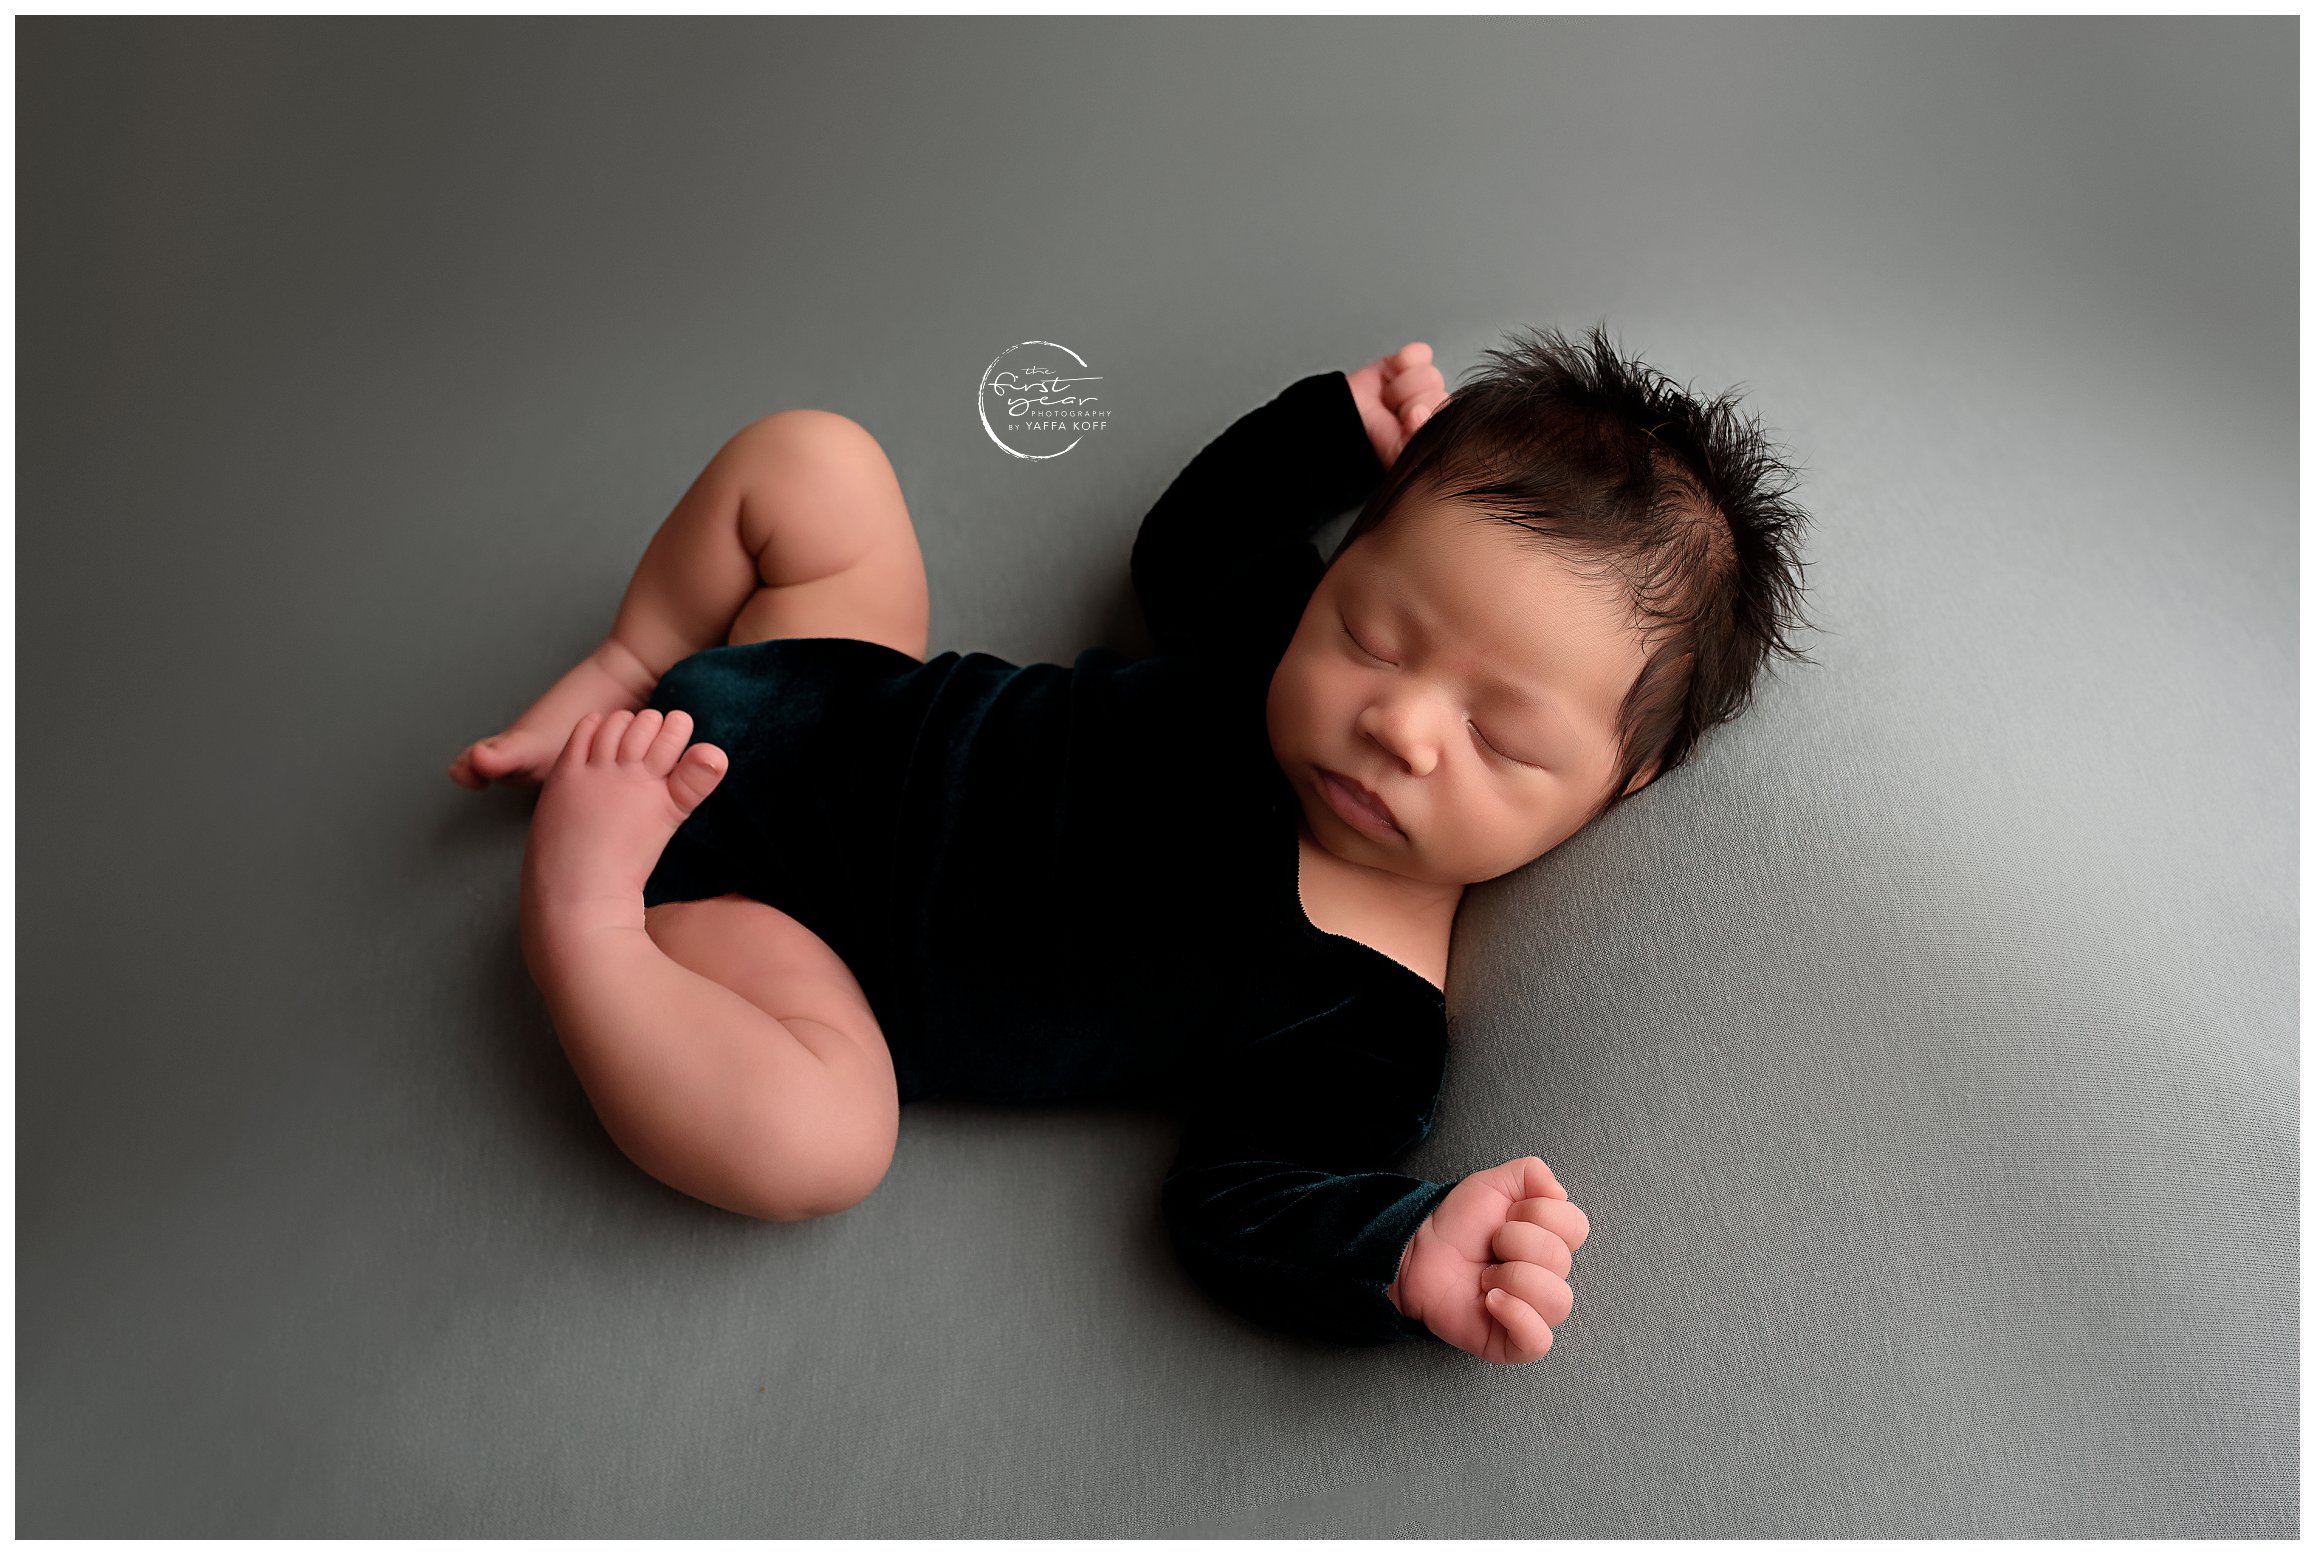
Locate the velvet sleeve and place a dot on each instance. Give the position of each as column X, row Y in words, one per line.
column 1226, row 552
column 1279, row 1201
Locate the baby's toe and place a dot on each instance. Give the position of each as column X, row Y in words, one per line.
column 604, row 746
column 667, row 744
column 696, row 774
column 642, row 729
column 579, row 744
column 497, row 756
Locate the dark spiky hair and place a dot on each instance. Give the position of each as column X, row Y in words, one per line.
column 1628, row 476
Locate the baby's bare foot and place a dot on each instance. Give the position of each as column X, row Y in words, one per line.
column 621, row 786
column 609, row 680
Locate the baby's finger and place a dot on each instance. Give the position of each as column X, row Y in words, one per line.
column 1527, row 1335
column 1413, row 387
column 1535, row 1285
column 1536, row 1180
column 1413, row 354
column 1532, row 1243
column 1558, row 1216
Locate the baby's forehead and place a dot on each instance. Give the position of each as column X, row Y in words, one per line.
column 1467, row 560
column 1490, row 584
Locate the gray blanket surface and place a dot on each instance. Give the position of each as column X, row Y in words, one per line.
column 1924, row 1054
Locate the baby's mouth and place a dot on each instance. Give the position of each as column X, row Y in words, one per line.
column 1356, row 806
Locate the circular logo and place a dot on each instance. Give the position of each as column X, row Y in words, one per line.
column 1039, row 400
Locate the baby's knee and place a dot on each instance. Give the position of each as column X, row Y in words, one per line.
column 807, row 435
column 814, row 1195
column 829, row 1166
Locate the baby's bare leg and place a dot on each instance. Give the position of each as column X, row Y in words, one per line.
column 742, row 1065
column 796, row 528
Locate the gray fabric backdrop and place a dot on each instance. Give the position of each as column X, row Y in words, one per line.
column 1924, row 1054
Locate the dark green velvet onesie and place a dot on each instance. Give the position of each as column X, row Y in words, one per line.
column 1079, row 883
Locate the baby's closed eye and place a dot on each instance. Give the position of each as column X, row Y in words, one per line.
column 1477, row 733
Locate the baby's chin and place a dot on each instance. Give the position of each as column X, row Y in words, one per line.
column 1342, row 841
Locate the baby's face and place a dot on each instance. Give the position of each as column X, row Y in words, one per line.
column 1467, row 677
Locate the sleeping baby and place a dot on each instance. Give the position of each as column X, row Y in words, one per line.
column 786, row 873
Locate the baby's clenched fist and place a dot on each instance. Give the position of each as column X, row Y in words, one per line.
column 1395, row 395
column 1488, row 1270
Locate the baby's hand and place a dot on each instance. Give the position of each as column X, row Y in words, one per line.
column 1488, row 1271
column 1396, row 394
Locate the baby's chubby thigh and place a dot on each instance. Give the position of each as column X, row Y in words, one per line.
column 837, row 1132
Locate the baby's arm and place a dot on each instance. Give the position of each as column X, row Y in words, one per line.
column 1233, row 529
column 1279, row 1205
column 1277, row 1202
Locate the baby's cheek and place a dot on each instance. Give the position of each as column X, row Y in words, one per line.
column 1290, row 699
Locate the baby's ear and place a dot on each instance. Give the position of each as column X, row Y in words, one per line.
column 1645, row 778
